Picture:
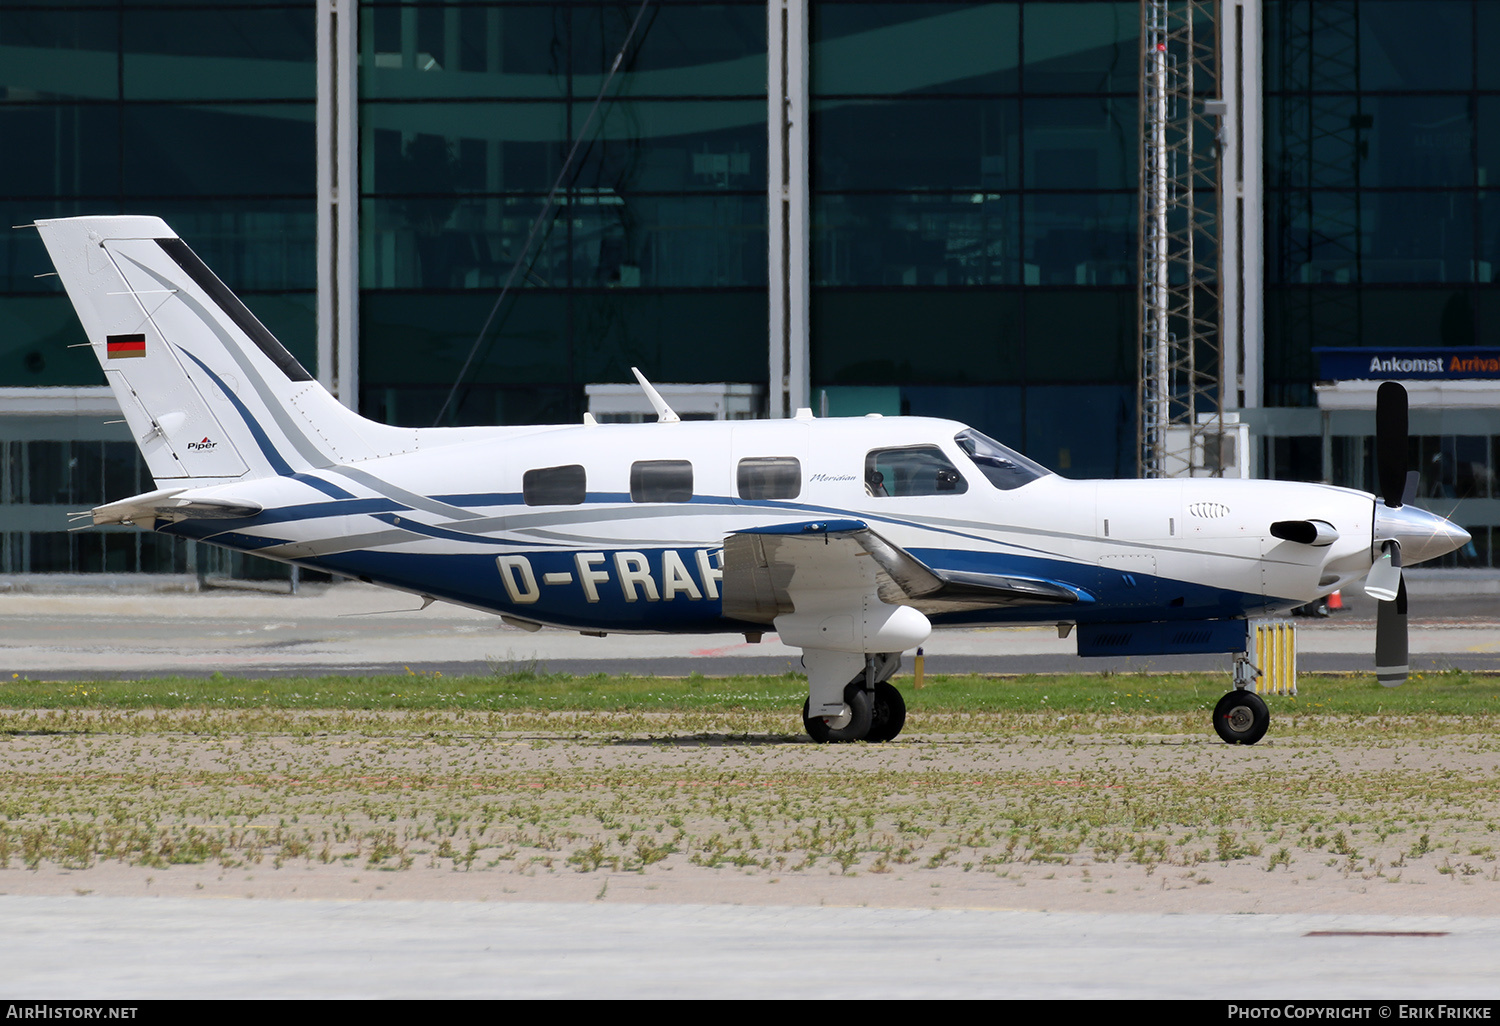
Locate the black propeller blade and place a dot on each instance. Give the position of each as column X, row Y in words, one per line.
column 1390, row 441
column 1390, row 640
column 1398, row 486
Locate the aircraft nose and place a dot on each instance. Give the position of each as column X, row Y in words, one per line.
column 1422, row 535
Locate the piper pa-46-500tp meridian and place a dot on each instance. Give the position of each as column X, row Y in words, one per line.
column 849, row 537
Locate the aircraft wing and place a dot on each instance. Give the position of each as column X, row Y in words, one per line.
column 165, row 504
column 764, row 566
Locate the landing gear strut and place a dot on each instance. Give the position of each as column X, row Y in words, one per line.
column 873, row 709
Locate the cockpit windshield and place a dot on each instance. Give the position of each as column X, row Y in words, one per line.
column 1004, row 468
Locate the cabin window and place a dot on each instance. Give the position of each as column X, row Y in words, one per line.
column 769, row 477
column 1004, row 468
column 661, row 481
column 554, row 486
column 912, row 470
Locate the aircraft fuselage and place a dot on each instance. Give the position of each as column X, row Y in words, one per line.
column 454, row 522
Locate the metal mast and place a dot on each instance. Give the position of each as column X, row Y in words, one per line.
column 1180, row 398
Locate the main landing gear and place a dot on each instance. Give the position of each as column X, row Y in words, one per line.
column 873, row 709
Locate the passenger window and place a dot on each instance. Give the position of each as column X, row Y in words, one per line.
column 913, row 470
column 770, row 477
column 661, row 481
column 554, row 486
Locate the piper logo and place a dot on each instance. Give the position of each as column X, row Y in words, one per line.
column 203, row 446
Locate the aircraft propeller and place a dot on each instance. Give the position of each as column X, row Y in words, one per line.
column 1385, row 581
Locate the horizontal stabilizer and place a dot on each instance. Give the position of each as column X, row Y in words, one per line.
column 166, row 504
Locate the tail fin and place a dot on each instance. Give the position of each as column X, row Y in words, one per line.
column 207, row 391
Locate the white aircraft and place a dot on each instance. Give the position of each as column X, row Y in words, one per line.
column 849, row 537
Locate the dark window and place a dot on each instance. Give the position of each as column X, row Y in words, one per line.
column 770, row 477
column 661, row 481
column 914, row 470
column 554, row 486
column 1004, row 468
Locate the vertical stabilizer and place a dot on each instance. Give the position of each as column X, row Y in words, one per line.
column 207, row 390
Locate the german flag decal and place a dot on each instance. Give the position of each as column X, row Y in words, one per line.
column 122, row 346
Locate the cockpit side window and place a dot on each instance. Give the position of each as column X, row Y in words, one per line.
column 912, row 470
column 554, row 486
column 1004, row 468
column 661, row 481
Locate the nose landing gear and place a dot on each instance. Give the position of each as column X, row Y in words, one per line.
column 1241, row 717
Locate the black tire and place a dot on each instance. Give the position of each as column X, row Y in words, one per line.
column 1241, row 717
column 888, row 713
column 860, row 717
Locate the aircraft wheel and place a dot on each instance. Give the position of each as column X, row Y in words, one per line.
column 887, row 714
column 1241, row 717
column 856, row 728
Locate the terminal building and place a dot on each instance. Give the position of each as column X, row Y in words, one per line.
column 472, row 212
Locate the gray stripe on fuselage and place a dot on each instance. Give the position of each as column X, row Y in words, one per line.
column 585, row 541
column 411, row 499
column 330, row 545
column 969, row 525
column 590, row 513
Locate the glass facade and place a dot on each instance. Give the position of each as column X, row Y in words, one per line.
column 631, row 232
column 974, row 174
column 201, row 113
column 1380, row 140
column 973, row 192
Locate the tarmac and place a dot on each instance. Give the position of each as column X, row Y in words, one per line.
column 137, row 630
column 146, row 948
column 124, row 949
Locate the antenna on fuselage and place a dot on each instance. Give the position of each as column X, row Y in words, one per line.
column 664, row 413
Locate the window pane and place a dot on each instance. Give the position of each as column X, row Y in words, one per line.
column 49, row 473
column 632, row 145
column 916, row 239
column 697, row 50
column 1417, row 140
column 915, row 144
column 1081, row 239
column 1417, row 237
column 907, row 48
column 554, row 486
column 1082, row 144
column 122, row 471
column 915, row 470
column 591, row 239
column 81, row 146
column 770, row 477
column 1082, row 47
column 244, row 149
column 221, row 54
column 59, row 55
column 1402, row 46
column 1081, row 335
column 661, row 481
column 916, row 336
